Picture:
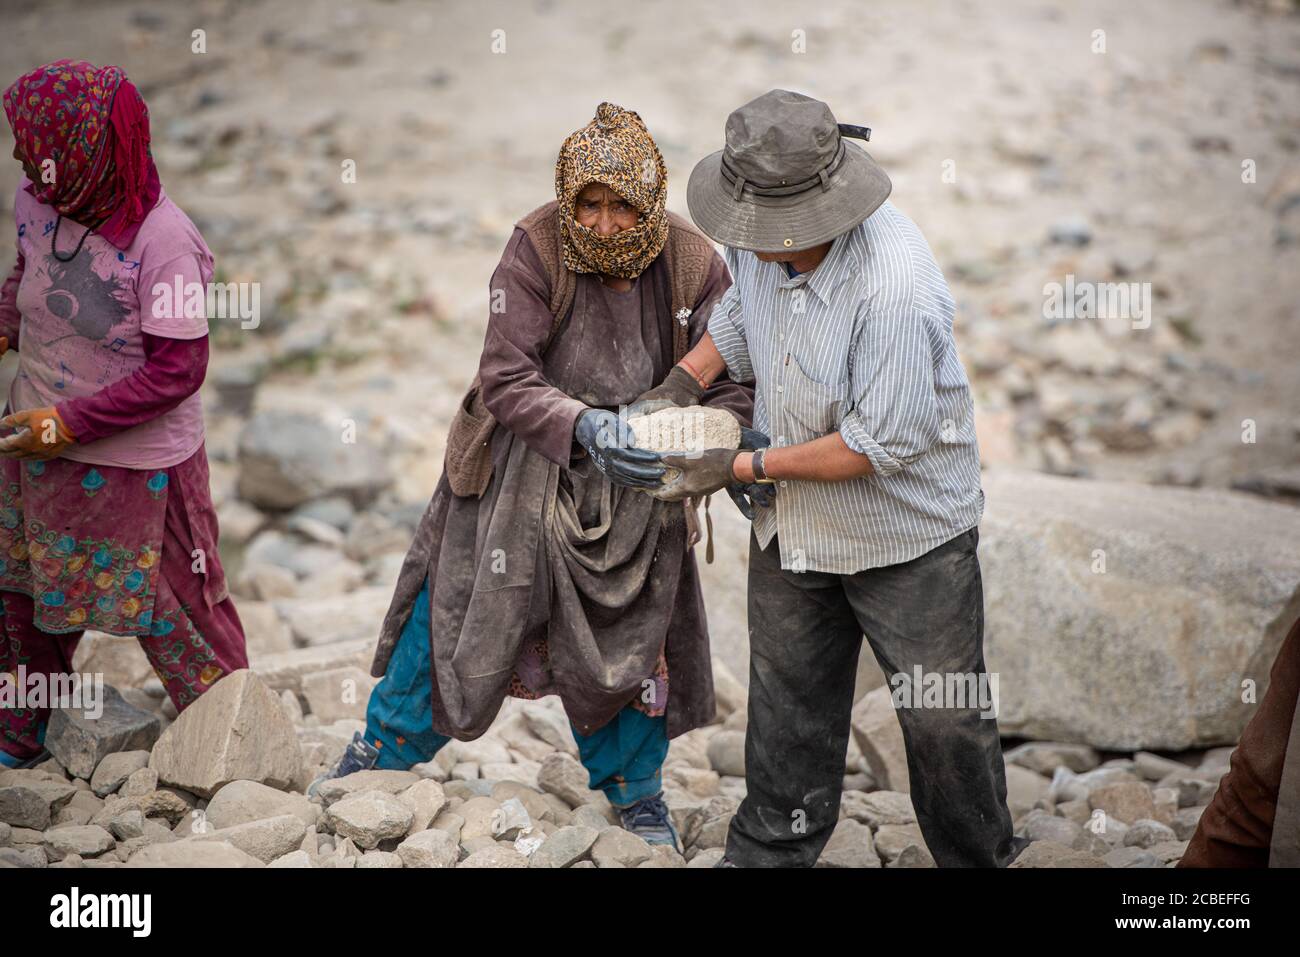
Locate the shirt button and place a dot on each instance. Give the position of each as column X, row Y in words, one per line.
column 780, row 440
column 782, row 483
column 780, row 388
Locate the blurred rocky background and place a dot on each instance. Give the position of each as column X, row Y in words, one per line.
column 1169, row 454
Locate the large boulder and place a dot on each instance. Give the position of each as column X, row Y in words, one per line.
column 237, row 731
column 1128, row 616
column 288, row 458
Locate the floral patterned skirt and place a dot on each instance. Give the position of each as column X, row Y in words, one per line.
column 125, row 551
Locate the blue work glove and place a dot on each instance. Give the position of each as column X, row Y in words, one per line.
column 608, row 440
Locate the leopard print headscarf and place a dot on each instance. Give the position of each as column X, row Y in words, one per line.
column 617, row 150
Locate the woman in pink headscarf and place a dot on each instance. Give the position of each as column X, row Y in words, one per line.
column 106, row 521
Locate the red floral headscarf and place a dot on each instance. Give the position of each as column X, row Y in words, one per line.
column 92, row 122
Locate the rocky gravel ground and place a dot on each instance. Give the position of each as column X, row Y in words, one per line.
column 224, row 785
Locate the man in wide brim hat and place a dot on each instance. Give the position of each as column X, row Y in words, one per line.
column 843, row 319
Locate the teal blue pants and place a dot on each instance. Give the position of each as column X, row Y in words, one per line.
column 624, row 758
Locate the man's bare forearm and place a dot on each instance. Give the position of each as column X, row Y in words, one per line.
column 704, row 362
column 827, row 459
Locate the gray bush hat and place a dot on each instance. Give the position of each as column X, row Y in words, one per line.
column 787, row 178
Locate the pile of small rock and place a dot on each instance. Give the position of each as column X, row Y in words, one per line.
column 224, row 785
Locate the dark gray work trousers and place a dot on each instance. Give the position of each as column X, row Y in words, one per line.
column 805, row 633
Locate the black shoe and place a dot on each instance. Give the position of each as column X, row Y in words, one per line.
column 360, row 755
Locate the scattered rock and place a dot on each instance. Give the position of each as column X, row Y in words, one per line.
column 1128, row 801
column 1052, row 854
column 727, row 752
column 497, row 855
column 84, row 840
column 240, row 802
column 878, row 807
column 368, row 817
column 33, row 802
column 615, row 847
column 430, row 848
column 111, row 772
column 562, row 775
column 79, row 742
column 566, row 846
column 850, row 846
column 267, row 839
column 192, row 853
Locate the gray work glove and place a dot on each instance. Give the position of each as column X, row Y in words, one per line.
column 678, row 389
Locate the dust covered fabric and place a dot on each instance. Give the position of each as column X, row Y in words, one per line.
column 617, row 150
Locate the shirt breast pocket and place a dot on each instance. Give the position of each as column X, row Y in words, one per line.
column 817, row 406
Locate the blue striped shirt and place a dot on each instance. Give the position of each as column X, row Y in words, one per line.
column 862, row 344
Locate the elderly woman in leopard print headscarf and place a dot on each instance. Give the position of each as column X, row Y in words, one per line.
column 532, row 572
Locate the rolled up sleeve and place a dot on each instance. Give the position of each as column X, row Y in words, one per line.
column 727, row 328
column 894, row 415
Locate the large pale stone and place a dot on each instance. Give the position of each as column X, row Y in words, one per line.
column 236, row 731
column 287, row 458
column 80, row 740
column 691, row 429
column 1146, row 609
